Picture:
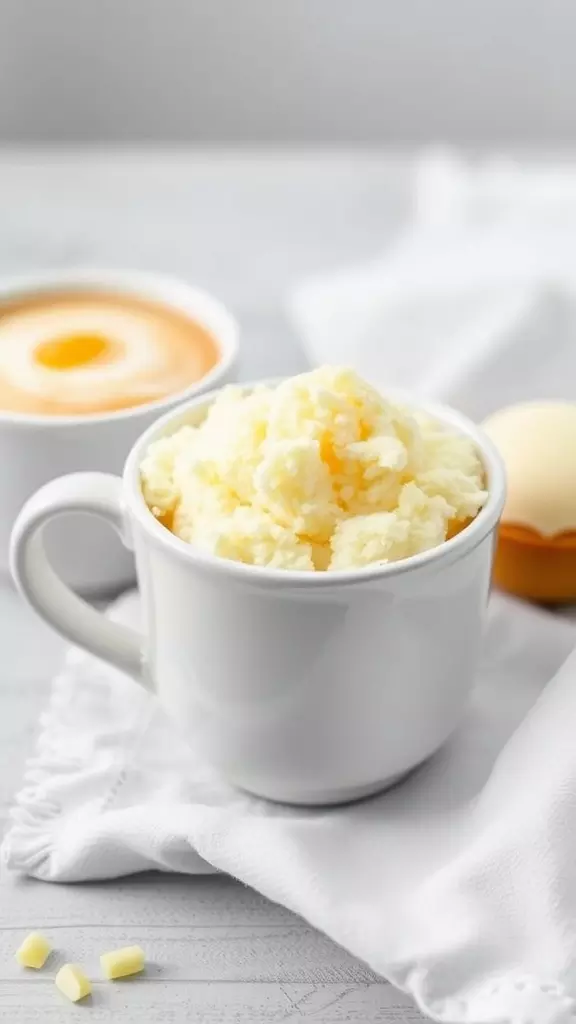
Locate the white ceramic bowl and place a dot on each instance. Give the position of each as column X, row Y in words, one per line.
column 34, row 449
column 302, row 687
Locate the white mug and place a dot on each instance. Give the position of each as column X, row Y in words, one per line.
column 33, row 449
column 309, row 688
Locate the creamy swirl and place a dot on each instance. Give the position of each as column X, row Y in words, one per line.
column 84, row 354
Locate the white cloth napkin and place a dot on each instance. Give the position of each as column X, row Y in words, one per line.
column 460, row 885
column 475, row 304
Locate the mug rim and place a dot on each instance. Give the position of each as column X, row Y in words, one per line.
column 137, row 284
column 448, row 551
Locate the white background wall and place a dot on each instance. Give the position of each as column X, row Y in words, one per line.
column 288, row 70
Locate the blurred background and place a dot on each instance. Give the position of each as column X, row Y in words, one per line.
column 301, row 71
column 249, row 145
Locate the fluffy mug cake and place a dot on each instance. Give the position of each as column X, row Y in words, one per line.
column 320, row 473
column 296, row 682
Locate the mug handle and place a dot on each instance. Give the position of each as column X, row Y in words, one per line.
column 98, row 494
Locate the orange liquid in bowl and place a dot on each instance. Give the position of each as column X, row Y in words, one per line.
column 68, row 353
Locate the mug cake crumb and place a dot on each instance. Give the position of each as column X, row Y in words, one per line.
column 320, row 472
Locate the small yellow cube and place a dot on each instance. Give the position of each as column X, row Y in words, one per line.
column 34, row 951
column 119, row 963
column 73, row 983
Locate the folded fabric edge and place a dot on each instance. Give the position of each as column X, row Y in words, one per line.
column 449, row 186
column 516, row 999
column 28, row 845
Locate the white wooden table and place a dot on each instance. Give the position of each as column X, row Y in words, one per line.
column 244, row 226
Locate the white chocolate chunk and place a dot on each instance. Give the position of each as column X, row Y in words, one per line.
column 73, row 983
column 119, row 963
column 34, row 951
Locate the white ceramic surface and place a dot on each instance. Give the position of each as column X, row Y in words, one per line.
column 307, row 688
column 34, row 449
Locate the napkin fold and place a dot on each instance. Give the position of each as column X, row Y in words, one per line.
column 460, row 885
column 474, row 304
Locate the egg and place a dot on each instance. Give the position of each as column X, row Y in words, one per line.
column 536, row 552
